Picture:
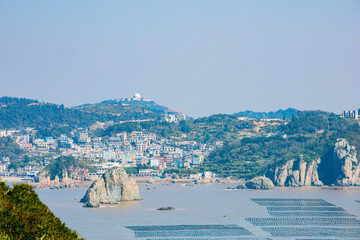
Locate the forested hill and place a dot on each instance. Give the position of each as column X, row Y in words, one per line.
column 219, row 127
column 20, row 112
column 120, row 111
column 279, row 114
column 144, row 105
column 310, row 134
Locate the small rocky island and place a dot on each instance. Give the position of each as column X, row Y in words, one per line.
column 166, row 209
column 113, row 187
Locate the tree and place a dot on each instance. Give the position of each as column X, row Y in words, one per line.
column 24, row 216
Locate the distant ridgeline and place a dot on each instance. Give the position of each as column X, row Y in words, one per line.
column 308, row 140
column 21, row 112
column 127, row 109
column 137, row 100
column 280, row 114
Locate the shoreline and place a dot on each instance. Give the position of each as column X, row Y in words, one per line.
column 150, row 180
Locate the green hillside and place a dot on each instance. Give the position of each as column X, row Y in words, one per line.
column 53, row 120
column 279, row 114
column 312, row 135
column 19, row 112
column 121, row 112
column 220, row 127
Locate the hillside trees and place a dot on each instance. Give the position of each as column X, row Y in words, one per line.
column 24, row 216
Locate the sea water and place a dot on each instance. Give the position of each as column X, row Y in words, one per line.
column 207, row 204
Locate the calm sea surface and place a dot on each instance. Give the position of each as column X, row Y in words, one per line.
column 200, row 204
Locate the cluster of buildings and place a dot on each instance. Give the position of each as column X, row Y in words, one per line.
column 122, row 149
column 351, row 114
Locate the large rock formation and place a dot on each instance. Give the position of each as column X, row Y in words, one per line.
column 345, row 165
column 113, row 187
column 67, row 177
column 296, row 173
column 260, row 183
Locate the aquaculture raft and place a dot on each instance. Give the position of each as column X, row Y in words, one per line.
column 164, row 231
column 306, row 217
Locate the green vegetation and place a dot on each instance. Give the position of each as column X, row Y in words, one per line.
column 218, row 127
column 147, row 105
column 65, row 162
column 308, row 122
column 53, row 120
column 8, row 148
column 280, row 114
column 254, row 156
column 121, row 112
column 24, row 216
column 53, row 131
column 17, row 112
column 26, row 160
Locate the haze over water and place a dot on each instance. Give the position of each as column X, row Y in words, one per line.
column 198, row 205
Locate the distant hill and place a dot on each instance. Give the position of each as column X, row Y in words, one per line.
column 309, row 134
column 21, row 112
column 308, row 122
column 219, row 127
column 121, row 111
column 143, row 103
column 280, row 114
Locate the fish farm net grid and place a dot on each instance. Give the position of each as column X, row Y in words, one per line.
column 294, row 203
column 288, row 199
column 304, row 221
column 162, row 231
column 182, row 227
column 311, row 214
column 325, row 209
column 313, row 232
column 193, row 233
column 324, row 239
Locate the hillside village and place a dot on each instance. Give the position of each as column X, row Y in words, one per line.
column 124, row 149
column 128, row 150
column 147, row 150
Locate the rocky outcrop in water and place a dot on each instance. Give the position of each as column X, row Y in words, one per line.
column 114, row 186
column 263, row 183
column 345, row 165
column 296, row 173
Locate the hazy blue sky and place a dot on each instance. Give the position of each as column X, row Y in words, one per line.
column 201, row 57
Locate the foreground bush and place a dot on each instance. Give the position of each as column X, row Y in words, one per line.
column 24, row 216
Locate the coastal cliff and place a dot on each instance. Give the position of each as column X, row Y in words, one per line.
column 114, row 186
column 296, row 173
column 67, row 177
column 345, row 165
column 339, row 166
column 64, row 171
